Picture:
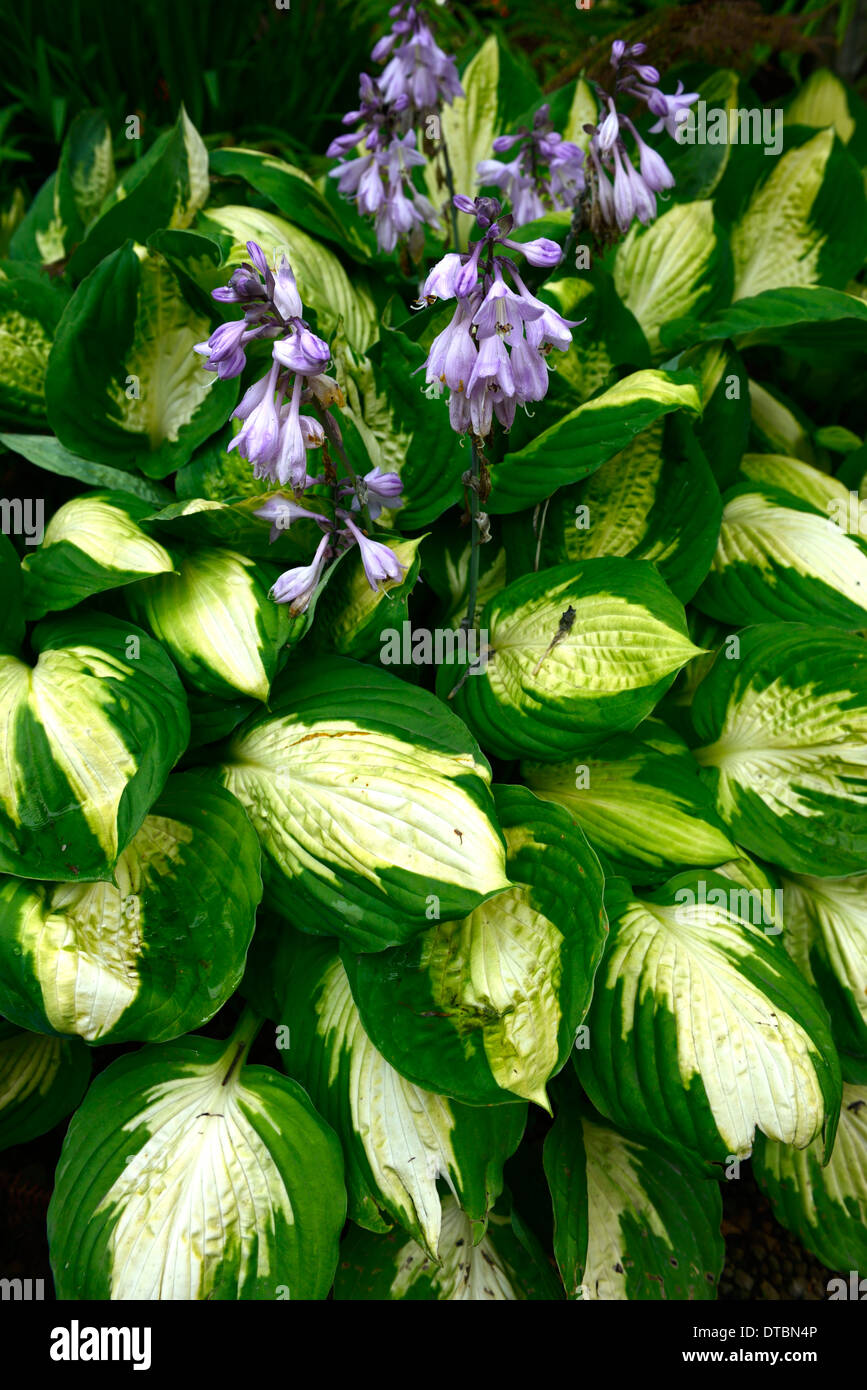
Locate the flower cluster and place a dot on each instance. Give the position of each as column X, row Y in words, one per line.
column 492, row 356
column 275, row 436
column 545, row 175
column 417, row 80
column 633, row 192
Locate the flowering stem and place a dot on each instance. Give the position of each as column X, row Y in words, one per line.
column 335, row 438
column 469, row 620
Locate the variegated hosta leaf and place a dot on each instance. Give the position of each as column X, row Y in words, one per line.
column 779, row 558
column 657, row 501
column 217, row 621
column 165, row 188
column 792, row 232
column 322, row 282
column 701, row 1028
column 826, row 1207
column 585, row 437
column 152, row 957
column 574, row 653
column 629, row 1221
column 821, row 101
column 188, row 1175
column 782, row 720
column 124, row 385
column 826, row 935
column 92, row 543
column 89, row 736
column 773, row 425
column 640, row 802
column 507, row 1265
column 372, row 802
column 29, row 312
column 204, row 521
column 486, row 1009
column 677, row 267
column 41, row 1080
column 610, row 335
column 823, row 492
column 398, row 1139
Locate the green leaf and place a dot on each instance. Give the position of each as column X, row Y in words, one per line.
column 792, row 475
column 166, row 188
column 826, row 936
column 41, row 1080
column 371, row 801
column 292, row 192
column 782, row 721
column 91, row 544
column 323, row 283
column 629, row 1221
column 124, row 385
column 90, row 734
column 46, row 452
column 398, row 1139
column 724, row 427
column 810, row 315
column 215, row 617
column 12, row 615
column 198, row 521
column 573, row 653
column 640, row 802
column 486, row 1009
column 825, row 1206
column 698, row 168
column 85, row 177
column 609, row 336
column 673, row 268
column 186, row 1176
column 157, row 954
column 805, row 224
column 589, row 436
column 507, row 1265
column 781, row 559
column 29, row 313
column 701, row 1029
column 656, row 500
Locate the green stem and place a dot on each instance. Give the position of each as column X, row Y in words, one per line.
column 469, row 620
column 242, row 1039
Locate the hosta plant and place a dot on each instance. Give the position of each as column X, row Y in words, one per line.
column 433, row 688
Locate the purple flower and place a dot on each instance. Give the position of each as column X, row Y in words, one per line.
column 296, row 586
column 546, row 172
column 383, row 490
column 257, row 440
column 668, row 107
column 285, row 294
column 225, row 349
column 302, row 351
column 379, row 560
column 282, row 511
